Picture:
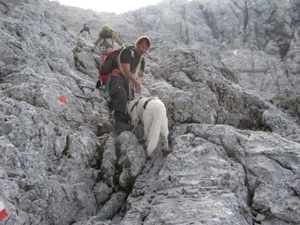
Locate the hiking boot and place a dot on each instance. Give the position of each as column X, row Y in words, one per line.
column 120, row 127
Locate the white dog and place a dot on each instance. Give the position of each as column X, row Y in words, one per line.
column 152, row 112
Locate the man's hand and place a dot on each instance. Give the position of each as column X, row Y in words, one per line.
column 140, row 73
column 137, row 87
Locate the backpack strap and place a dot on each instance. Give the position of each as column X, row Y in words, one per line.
column 119, row 60
column 111, row 34
column 136, row 70
column 138, row 67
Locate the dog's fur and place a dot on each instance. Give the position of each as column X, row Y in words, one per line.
column 152, row 112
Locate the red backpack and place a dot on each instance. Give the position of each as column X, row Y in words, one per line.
column 107, row 63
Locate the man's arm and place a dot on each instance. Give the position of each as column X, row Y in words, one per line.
column 130, row 76
column 96, row 43
column 140, row 73
column 117, row 39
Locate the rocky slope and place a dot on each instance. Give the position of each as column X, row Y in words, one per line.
column 228, row 73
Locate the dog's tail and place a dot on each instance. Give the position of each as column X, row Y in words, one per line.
column 154, row 134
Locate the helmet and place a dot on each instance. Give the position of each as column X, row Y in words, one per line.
column 106, row 26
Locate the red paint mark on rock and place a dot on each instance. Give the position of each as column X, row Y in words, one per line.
column 3, row 212
column 62, row 100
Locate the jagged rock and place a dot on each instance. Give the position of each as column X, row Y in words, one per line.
column 212, row 173
column 112, row 206
column 102, row 192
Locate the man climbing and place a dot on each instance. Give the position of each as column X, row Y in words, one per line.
column 106, row 40
column 123, row 80
column 86, row 28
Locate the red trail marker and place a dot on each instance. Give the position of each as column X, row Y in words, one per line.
column 62, row 100
column 3, row 212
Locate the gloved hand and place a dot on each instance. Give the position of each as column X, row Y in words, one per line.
column 123, row 45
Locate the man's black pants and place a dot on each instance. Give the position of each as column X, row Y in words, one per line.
column 119, row 93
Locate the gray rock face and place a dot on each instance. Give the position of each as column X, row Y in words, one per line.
column 228, row 74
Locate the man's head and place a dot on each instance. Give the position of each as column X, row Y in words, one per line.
column 142, row 44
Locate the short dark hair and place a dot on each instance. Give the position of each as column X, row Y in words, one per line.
column 143, row 38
